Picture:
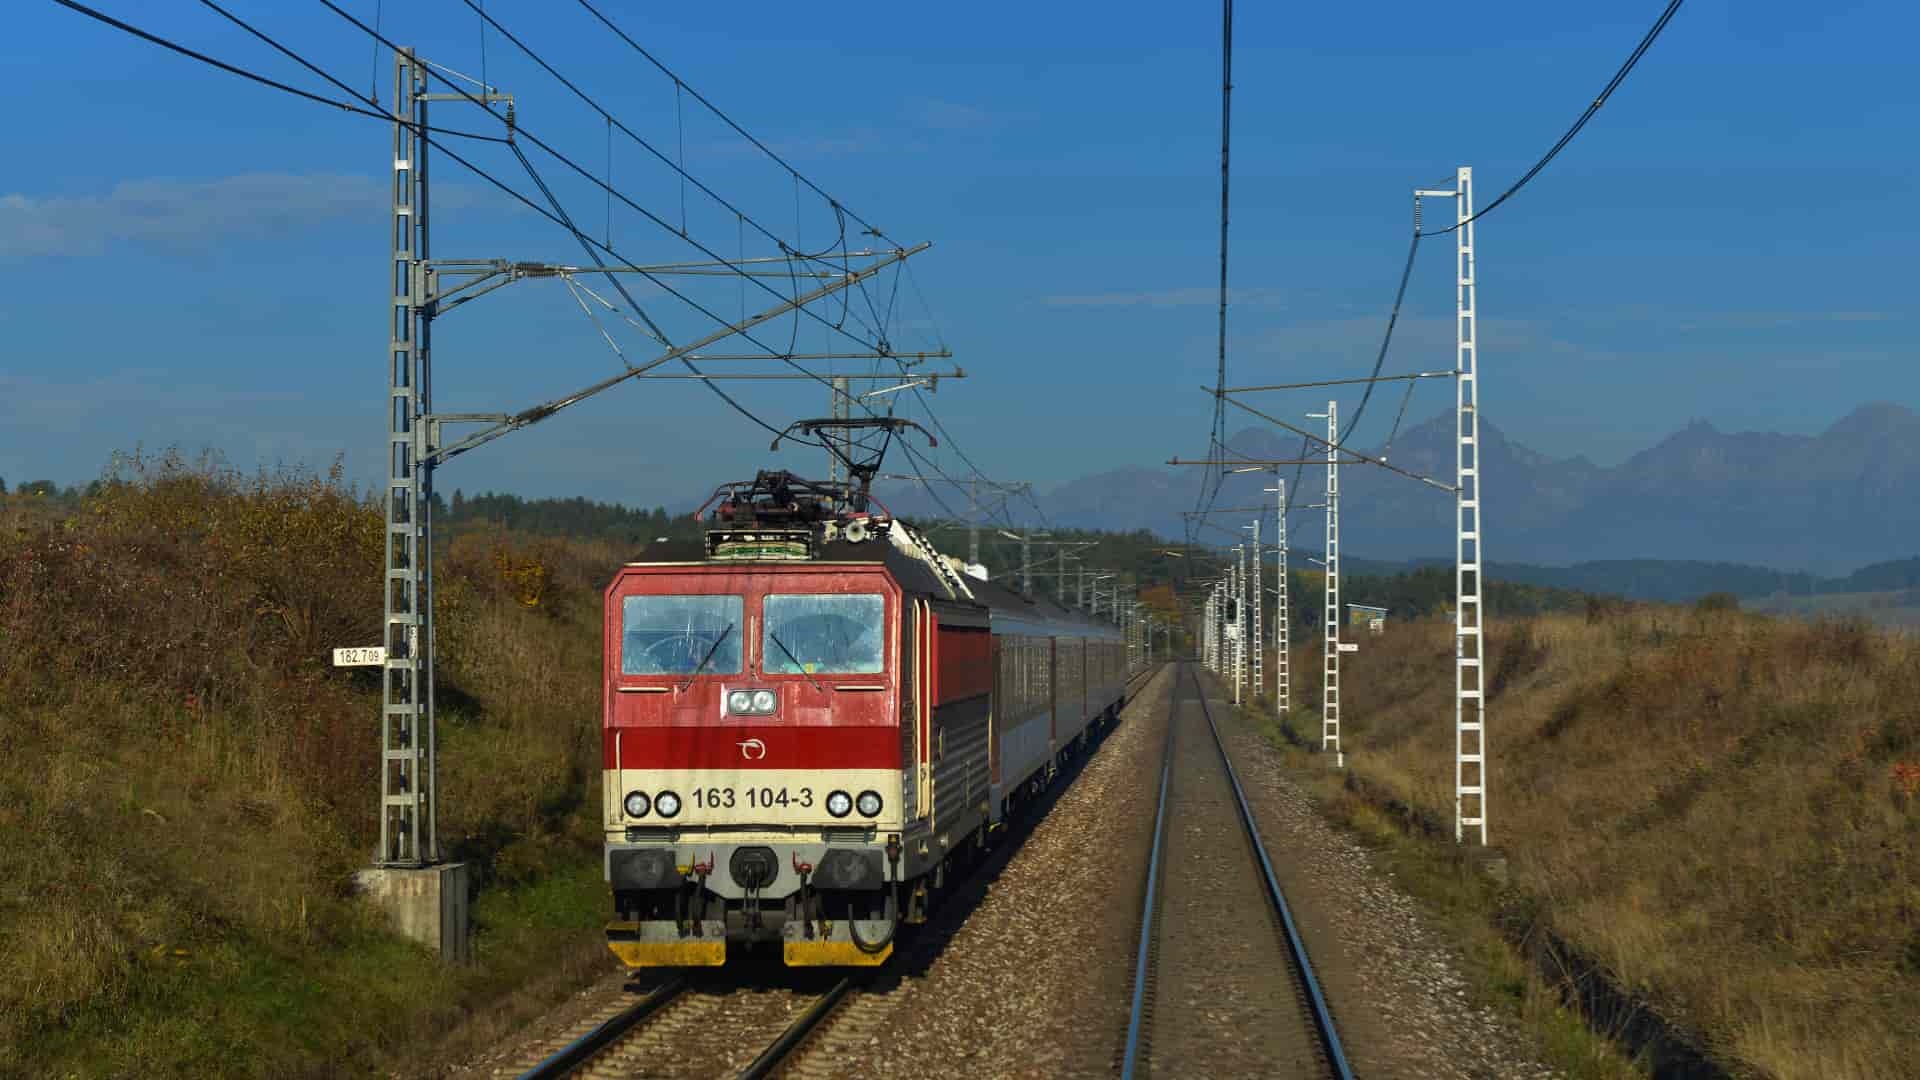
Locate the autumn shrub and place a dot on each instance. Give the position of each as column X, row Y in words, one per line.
column 183, row 774
column 1719, row 806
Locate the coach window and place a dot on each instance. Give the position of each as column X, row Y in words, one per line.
column 681, row 635
column 826, row 634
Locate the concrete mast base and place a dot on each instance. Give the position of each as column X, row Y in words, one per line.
column 427, row 904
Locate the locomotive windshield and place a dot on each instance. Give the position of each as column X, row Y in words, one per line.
column 831, row 634
column 678, row 635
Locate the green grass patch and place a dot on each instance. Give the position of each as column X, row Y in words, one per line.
column 249, row 1006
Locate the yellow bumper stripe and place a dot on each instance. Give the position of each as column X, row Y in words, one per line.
column 832, row 954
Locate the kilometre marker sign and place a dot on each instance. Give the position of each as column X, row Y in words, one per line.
column 370, row 656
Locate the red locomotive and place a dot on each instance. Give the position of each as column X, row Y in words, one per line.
column 810, row 716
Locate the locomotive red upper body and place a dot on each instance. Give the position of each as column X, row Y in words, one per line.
column 809, row 716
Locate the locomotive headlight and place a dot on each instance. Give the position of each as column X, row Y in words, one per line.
column 667, row 803
column 763, row 701
column 839, row 804
column 739, row 701
column 636, row 804
column 869, row 803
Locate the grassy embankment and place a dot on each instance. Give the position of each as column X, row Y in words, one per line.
column 1720, row 809
column 186, row 785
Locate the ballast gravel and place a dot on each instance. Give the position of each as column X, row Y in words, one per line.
column 1393, row 980
column 1036, row 982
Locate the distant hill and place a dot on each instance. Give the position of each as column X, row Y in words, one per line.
column 1738, row 501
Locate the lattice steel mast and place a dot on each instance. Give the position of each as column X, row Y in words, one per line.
column 406, row 761
column 1330, row 628
column 420, row 289
column 1283, row 644
column 1259, row 601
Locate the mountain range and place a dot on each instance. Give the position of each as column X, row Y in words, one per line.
column 1830, row 502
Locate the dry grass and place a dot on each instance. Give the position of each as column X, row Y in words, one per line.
column 1722, row 809
column 186, row 785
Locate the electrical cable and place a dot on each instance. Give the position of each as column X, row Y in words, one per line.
column 1612, row 85
column 677, row 167
column 1393, row 319
column 1210, row 483
column 262, row 79
column 866, row 225
column 596, row 181
column 558, row 215
column 558, row 219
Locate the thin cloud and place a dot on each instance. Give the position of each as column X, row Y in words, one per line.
column 186, row 215
column 937, row 115
column 1768, row 320
column 1201, row 296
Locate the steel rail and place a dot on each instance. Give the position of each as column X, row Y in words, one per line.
column 782, row 1049
column 777, row 1052
column 589, row 1046
column 1136, row 1015
column 1322, row 1017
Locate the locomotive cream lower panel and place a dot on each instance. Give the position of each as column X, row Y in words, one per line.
column 756, row 797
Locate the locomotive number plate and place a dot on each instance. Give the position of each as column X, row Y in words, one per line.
column 753, row 798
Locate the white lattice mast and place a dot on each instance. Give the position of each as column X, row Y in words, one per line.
column 1259, row 639
column 1226, row 624
column 1282, row 644
column 1206, row 631
column 1237, row 611
column 1330, row 622
column 1469, row 700
column 1220, row 627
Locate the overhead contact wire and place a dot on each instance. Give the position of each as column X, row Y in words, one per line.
column 263, row 80
column 1613, row 84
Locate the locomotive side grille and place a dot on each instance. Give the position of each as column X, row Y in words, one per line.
column 960, row 769
column 847, row 834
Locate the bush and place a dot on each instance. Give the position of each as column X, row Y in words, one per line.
column 184, row 775
column 1724, row 811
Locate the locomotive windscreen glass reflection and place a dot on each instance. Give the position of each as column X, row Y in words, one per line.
column 681, row 635
column 838, row 634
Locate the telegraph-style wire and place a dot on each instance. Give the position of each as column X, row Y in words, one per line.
column 865, row 225
column 558, row 219
column 263, row 80
column 1613, row 84
column 596, row 181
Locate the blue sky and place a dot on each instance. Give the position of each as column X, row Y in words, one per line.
column 188, row 259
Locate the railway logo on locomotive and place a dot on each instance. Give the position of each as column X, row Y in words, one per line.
column 752, row 749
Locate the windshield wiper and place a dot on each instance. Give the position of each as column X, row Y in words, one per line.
column 802, row 668
column 711, row 649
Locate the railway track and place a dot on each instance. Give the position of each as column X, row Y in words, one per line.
column 1222, row 983
column 627, row 1041
column 655, row 1035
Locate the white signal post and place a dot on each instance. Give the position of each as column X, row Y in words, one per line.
column 1469, row 698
